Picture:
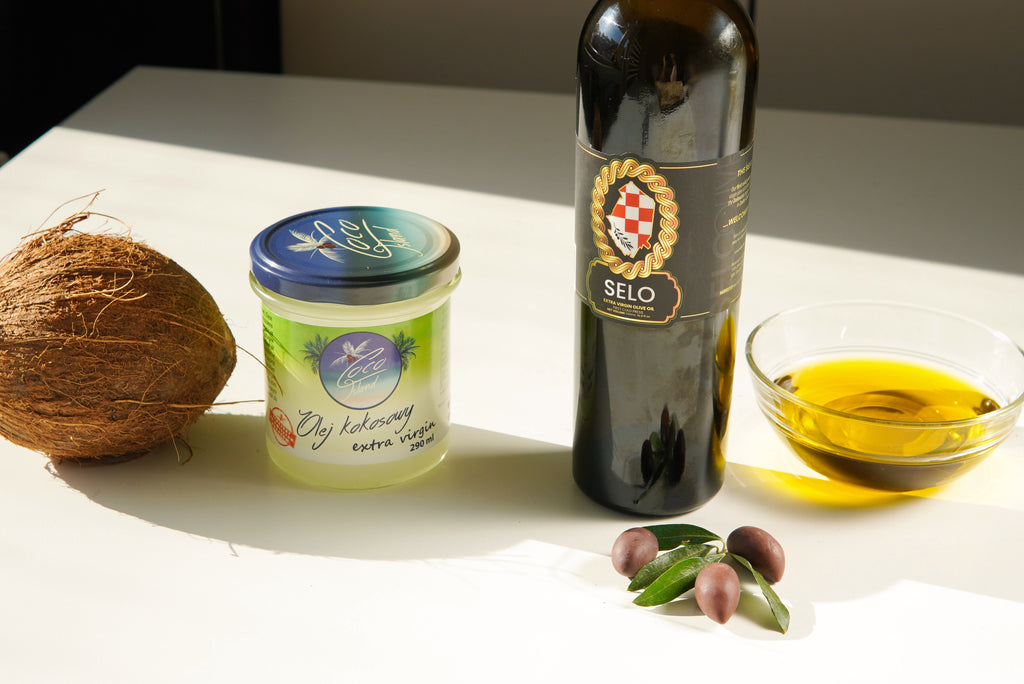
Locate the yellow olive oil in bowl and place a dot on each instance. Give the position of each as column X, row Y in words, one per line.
column 896, row 410
column 887, row 396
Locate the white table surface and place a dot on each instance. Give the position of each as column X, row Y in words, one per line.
column 494, row 567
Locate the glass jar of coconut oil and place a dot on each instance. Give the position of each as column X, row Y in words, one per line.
column 356, row 314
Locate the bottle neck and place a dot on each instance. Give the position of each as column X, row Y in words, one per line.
column 671, row 81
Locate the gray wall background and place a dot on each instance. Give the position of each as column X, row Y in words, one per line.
column 939, row 59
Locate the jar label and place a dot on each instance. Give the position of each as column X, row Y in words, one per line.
column 357, row 396
column 660, row 242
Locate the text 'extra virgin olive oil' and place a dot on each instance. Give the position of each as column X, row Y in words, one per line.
column 665, row 125
column 891, row 410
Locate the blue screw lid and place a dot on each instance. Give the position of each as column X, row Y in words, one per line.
column 354, row 255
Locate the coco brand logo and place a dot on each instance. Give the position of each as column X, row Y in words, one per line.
column 360, row 370
column 332, row 242
column 633, row 218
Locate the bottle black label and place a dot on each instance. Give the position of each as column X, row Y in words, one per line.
column 656, row 243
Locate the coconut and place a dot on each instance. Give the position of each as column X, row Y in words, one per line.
column 108, row 348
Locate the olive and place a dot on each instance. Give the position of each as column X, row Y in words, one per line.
column 634, row 548
column 760, row 548
column 677, row 462
column 646, row 461
column 717, row 590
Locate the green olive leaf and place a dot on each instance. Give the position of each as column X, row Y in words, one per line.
column 676, row 581
column 674, row 534
column 780, row 611
column 654, row 569
column 672, row 583
column 656, row 444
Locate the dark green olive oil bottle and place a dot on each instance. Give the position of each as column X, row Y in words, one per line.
column 664, row 132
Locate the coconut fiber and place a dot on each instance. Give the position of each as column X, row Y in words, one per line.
column 107, row 347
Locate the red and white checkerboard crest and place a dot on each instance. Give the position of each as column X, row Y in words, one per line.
column 632, row 220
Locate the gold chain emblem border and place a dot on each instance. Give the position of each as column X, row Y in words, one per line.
column 669, row 222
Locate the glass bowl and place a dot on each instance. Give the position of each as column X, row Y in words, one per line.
column 884, row 395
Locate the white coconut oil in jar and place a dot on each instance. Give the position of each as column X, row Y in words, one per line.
column 356, row 320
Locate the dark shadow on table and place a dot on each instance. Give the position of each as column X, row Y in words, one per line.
column 491, row 492
column 494, row 491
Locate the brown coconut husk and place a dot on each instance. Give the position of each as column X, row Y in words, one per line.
column 108, row 348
